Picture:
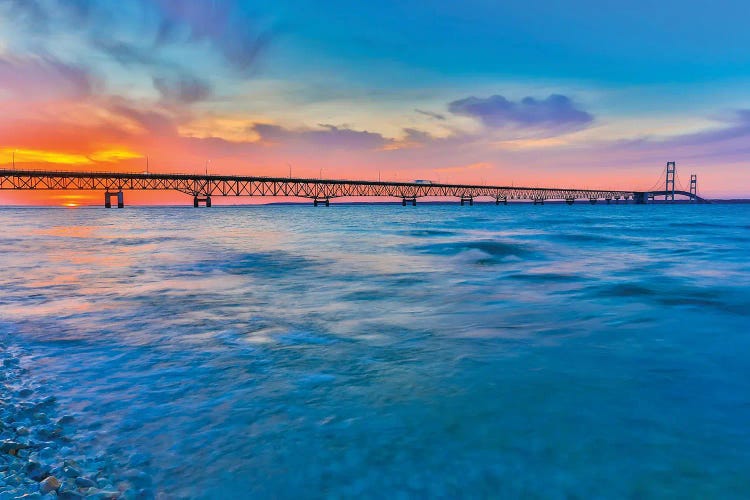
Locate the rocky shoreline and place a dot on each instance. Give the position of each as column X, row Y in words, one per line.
column 38, row 457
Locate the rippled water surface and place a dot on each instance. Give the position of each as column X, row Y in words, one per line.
column 538, row 351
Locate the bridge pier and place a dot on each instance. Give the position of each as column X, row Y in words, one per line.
column 409, row 199
column 468, row 199
column 504, row 200
column 641, row 198
column 198, row 200
column 570, row 201
column 593, row 201
column 538, row 201
column 326, row 201
column 108, row 199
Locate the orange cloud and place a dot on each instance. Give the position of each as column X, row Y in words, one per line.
column 57, row 157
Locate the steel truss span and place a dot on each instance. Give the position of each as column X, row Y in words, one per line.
column 202, row 187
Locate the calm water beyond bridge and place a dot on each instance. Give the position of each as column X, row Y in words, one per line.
column 203, row 187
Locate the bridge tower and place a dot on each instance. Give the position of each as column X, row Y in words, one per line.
column 671, row 169
column 693, row 187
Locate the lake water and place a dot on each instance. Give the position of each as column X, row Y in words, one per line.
column 380, row 351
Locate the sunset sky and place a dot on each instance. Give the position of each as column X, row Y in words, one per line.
column 537, row 92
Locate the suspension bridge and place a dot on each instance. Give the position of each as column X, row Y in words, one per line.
column 321, row 191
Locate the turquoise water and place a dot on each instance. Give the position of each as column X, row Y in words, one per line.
column 444, row 351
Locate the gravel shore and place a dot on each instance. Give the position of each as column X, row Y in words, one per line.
column 38, row 457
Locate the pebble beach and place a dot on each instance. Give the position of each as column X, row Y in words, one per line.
column 39, row 455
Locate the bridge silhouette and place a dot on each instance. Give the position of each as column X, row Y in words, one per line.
column 203, row 187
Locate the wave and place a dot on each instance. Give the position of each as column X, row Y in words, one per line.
column 491, row 248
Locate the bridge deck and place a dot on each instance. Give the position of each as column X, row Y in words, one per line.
column 204, row 186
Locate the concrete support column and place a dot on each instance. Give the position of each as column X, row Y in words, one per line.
column 108, row 199
column 570, row 201
column 197, row 200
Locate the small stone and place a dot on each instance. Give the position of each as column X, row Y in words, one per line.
column 25, row 393
column 41, row 417
column 103, row 483
column 104, row 495
column 70, row 495
column 36, row 471
column 31, row 496
column 49, row 484
column 65, row 420
column 84, row 482
column 49, row 432
column 47, row 453
column 22, row 431
column 71, row 471
column 11, row 447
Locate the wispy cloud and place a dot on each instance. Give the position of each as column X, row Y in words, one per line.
column 554, row 112
column 182, row 90
column 44, row 76
column 228, row 26
column 431, row 114
column 326, row 136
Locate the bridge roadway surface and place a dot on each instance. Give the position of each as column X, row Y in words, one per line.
column 203, row 187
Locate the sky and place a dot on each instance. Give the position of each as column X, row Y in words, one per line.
column 535, row 92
